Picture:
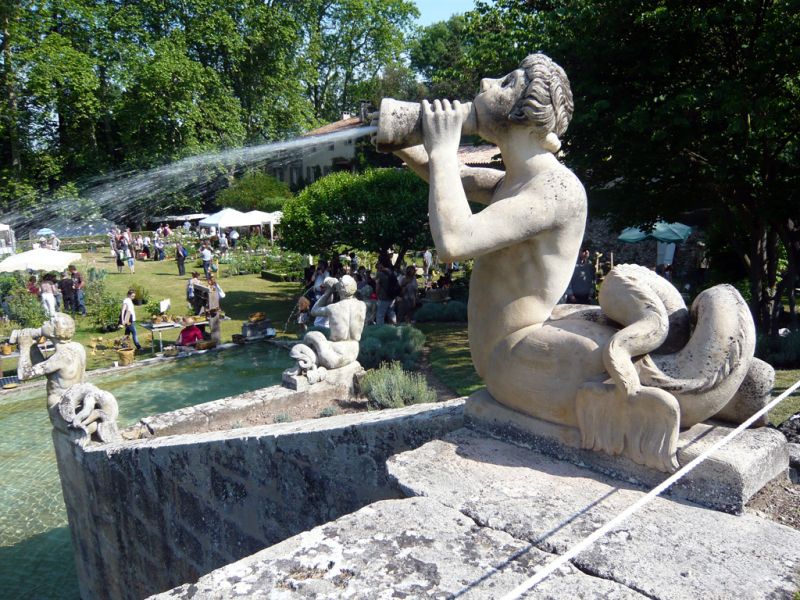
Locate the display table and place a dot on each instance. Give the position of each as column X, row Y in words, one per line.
column 159, row 328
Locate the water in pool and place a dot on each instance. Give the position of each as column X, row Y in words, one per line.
column 35, row 550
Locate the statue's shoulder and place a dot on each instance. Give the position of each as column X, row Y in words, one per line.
column 559, row 184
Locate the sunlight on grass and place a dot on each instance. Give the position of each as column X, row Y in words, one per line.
column 449, row 356
column 791, row 405
column 244, row 295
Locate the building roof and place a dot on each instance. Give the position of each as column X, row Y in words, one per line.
column 349, row 123
column 479, row 155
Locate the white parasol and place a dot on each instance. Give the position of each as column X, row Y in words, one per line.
column 39, row 259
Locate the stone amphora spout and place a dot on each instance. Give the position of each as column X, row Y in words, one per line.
column 400, row 124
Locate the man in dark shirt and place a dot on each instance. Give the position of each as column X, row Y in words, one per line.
column 78, row 285
column 67, row 291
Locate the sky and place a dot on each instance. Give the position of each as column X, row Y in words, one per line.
column 432, row 11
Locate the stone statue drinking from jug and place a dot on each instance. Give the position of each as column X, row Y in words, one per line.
column 80, row 409
column 569, row 366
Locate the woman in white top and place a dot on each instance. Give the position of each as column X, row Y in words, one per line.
column 48, row 291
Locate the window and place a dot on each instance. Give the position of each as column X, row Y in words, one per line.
column 296, row 174
column 331, row 146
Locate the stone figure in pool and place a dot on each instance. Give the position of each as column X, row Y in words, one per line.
column 78, row 408
column 345, row 318
column 571, row 366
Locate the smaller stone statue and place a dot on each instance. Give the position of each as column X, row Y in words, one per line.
column 74, row 407
column 87, row 413
column 317, row 355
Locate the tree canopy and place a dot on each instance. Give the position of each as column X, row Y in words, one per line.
column 375, row 211
column 97, row 87
column 677, row 108
column 255, row 191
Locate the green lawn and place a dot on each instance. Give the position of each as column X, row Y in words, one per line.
column 244, row 295
column 450, row 361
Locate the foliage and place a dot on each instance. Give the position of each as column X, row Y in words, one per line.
column 241, row 263
column 9, row 281
column 387, row 343
column 7, row 326
column 391, row 387
column 281, row 418
column 454, row 310
column 25, row 308
column 102, row 306
column 373, row 211
column 350, row 41
column 439, row 53
column 93, row 89
column 142, row 294
column 677, row 109
column 782, row 352
column 255, row 191
column 328, row 411
column 95, row 274
column 152, row 308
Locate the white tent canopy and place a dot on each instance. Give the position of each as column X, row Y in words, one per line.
column 228, row 217
column 187, row 217
column 267, row 218
column 39, row 259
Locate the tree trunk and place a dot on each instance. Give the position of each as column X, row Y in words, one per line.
column 10, row 87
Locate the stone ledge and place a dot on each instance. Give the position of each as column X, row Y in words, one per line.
column 668, row 550
column 414, row 548
column 725, row 481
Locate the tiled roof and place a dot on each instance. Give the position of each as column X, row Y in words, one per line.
column 336, row 126
column 479, row 155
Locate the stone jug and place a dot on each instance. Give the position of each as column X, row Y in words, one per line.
column 400, row 124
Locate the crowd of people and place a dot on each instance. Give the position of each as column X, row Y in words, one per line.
column 60, row 292
column 393, row 293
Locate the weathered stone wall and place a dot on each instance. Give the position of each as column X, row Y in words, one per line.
column 149, row 514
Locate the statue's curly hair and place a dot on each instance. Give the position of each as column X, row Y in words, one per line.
column 547, row 101
column 63, row 326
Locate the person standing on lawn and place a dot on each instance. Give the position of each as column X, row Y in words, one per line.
column 78, row 287
column 180, row 258
column 127, row 318
column 67, row 288
column 206, row 255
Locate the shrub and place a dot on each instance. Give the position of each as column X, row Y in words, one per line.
column 8, row 283
column 96, row 274
column 281, row 418
column 328, row 411
column 392, row 387
column 102, row 307
column 780, row 352
column 25, row 308
column 454, row 310
column 142, row 295
column 7, row 326
column 387, row 343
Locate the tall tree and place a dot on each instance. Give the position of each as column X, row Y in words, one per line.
column 677, row 108
column 349, row 41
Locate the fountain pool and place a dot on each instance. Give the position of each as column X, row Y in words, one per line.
column 35, row 550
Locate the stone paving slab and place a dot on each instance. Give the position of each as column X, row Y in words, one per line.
column 726, row 481
column 671, row 549
column 414, row 548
